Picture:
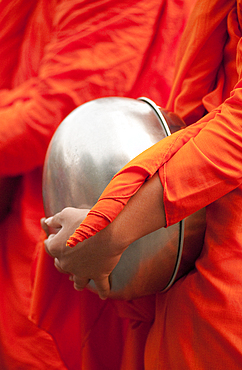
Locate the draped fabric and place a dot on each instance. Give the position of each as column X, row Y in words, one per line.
column 55, row 56
column 198, row 321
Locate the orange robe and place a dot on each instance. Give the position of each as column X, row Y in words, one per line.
column 55, row 56
column 198, row 321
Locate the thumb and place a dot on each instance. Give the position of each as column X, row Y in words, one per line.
column 103, row 287
column 53, row 221
column 44, row 226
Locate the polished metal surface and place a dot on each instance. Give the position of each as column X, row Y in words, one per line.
column 93, row 143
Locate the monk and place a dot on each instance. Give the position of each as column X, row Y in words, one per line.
column 56, row 55
column 198, row 321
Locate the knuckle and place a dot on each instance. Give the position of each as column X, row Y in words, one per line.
column 59, row 266
column 65, row 211
column 64, row 214
column 64, row 265
column 49, row 245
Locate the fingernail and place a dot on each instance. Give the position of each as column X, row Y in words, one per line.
column 102, row 297
column 76, row 287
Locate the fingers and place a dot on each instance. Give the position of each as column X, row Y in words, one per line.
column 79, row 284
column 54, row 221
column 44, row 225
column 103, row 287
column 69, row 215
column 48, row 246
column 57, row 266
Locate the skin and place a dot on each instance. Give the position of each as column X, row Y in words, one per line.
column 96, row 257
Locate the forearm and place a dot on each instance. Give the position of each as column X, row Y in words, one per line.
column 143, row 214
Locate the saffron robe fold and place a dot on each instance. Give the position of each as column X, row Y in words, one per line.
column 55, row 56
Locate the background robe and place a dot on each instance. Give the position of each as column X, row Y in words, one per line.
column 55, row 56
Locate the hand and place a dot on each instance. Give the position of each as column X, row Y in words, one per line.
column 46, row 228
column 53, row 225
column 94, row 258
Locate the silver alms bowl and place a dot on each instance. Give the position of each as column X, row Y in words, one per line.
column 89, row 147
